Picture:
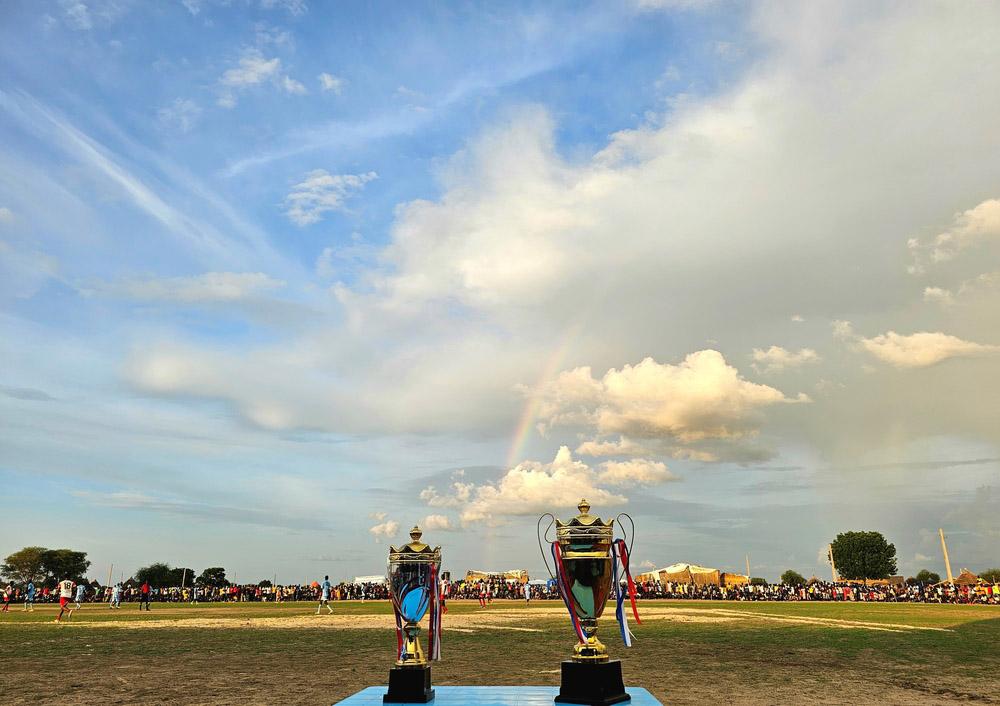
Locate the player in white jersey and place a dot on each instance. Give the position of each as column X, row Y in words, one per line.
column 65, row 588
column 81, row 591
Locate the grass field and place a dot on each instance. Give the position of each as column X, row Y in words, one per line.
column 685, row 652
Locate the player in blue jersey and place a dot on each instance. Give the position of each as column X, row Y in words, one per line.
column 324, row 600
column 29, row 597
column 81, row 591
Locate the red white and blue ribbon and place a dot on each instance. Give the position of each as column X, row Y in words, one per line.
column 564, row 592
column 434, row 629
column 619, row 557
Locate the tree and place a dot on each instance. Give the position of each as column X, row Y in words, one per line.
column 181, row 576
column 214, row 576
column 158, row 575
column 925, row 576
column 24, row 566
column 864, row 555
column 62, row 564
column 266, row 583
column 991, row 575
column 758, row 581
column 793, row 578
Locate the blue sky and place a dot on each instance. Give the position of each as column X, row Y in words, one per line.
column 279, row 279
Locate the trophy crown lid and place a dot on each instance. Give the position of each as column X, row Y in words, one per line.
column 583, row 507
column 416, row 533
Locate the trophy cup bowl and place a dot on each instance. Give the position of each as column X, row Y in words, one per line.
column 585, row 571
column 413, row 586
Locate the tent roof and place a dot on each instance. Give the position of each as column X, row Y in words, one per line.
column 693, row 568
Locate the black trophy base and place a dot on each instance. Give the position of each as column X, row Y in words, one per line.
column 592, row 683
column 409, row 685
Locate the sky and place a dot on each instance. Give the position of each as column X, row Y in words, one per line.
column 279, row 279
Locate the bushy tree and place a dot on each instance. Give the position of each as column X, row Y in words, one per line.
column 925, row 576
column 758, row 581
column 62, row 564
column 991, row 575
column 158, row 575
column 864, row 555
column 182, row 575
column 214, row 576
column 793, row 578
column 24, row 566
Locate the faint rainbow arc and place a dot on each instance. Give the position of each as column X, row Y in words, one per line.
column 529, row 413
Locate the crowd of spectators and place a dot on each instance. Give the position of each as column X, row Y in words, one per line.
column 487, row 591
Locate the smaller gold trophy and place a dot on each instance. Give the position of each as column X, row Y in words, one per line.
column 415, row 588
column 590, row 567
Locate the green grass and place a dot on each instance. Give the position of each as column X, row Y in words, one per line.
column 749, row 656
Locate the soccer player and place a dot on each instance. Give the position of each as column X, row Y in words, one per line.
column 7, row 592
column 325, row 598
column 65, row 594
column 144, row 595
column 81, row 591
column 527, row 594
column 29, row 597
column 116, row 596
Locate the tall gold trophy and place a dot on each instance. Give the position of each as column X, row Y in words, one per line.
column 590, row 566
column 414, row 586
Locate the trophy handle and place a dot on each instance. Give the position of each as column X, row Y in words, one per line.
column 540, row 535
column 628, row 536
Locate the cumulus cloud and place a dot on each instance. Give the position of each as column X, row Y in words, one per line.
column 938, row 295
column 437, row 522
column 254, row 69
column 776, row 359
column 638, row 471
column 969, row 228
column 203, row 288
column 331, row 83
column 384, row 530
column 6, row 215
column 923, row 349
column 321, row 192
column 532, row 487
column 292, row 86
column 700, row 398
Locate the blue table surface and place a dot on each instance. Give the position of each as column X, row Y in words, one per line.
column 491, row 696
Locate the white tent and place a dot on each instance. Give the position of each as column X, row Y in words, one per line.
column 378, row 578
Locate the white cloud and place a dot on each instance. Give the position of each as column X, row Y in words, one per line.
column 797, row 318
column 207, row 287
column 253, row 68
column 320, row 192
column 776, row 359
column 329, row 82
column 637, row 471
column 938, row 295
column 923, row 349
column 6, row 215
column 700, row 398
column 378, row 516
column 292, row 86
column 969, row 228
column 437, row 522
column 384, row 530
column 532, row 487
column 181, row 115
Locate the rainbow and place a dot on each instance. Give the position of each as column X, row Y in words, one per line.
column 529, row 413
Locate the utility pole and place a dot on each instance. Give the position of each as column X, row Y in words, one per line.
column 110, row 569
column 833, row 567
column 748, row 567
column 947, row 563
column 184, row 578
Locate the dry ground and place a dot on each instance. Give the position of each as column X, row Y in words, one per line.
column 685, row 652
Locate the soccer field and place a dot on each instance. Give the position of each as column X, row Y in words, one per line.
column 684, row 652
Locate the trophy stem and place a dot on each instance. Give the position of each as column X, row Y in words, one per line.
column 413, row 654
column 593, row 650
